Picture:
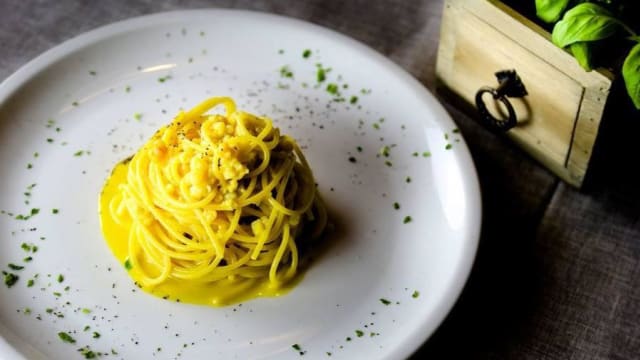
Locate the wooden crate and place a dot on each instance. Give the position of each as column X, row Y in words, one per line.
column 558, row 120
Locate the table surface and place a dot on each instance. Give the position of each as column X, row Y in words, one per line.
column 557, row 274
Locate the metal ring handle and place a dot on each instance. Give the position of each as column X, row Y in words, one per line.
column 510, row 86
column 488, row 120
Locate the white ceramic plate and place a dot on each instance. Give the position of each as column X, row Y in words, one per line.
column 68, row 116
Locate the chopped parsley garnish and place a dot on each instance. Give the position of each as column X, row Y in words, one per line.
column 60, row 278
column 359, row 148
column 15, row 267
column 66, row 337
column 376, row 126
column 92, row 73
column 306, row 53
column 96, row 335
column 30, row 283
column 75, row 103
column 26, row 247
column 29, row 166
column 385, row 151
column 128, row 265
column 56, row 294
column 10, row 279
column 353, row 99
column 86, row 328
column 296, row 347
column 388, row 163
column 415, row 154
column 333, row 89
column 455, row 131
column 348, row 338
column 86, row 311
column 55, row 211
column 137, row 116
column 407, row 219
column 127, row 88
column 35, row 154
column 448, row 147
column 408, row 179
column 164, row 78
column 415, row 294
column 426, row 154
column 286, row 72
column 87, row 353
column 359, row 333
column 78, row 153
column 321, row 75
column 385, row 301
column 396, row 206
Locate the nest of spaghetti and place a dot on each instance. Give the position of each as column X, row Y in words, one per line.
column 218, row 197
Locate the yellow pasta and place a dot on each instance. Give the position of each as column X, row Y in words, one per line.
column 213, row 208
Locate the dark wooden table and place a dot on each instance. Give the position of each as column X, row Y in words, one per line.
column 558, row 270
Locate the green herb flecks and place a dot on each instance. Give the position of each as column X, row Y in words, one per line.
column 128, row 265
column 385, row 301
column 96, row 335
column 333, row 89
column 321, row 74
column 34, row 212
column 137, row 116
column 359, row 333
column 306, row 53
column 60, row 278
column 286, row 72
column 448, row 147
column 164, row 78
column 88, row 353
column 415, row 294
column 396, row 206
column 298, row 348
column 15, row 267
column 10, row 279
column 353, row 99
column 65, row 337
column 426, row 154
column 407, row 219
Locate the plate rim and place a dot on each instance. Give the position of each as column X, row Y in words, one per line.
column 410, row 343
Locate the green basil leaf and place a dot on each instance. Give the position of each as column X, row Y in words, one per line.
column 631, row 74
column 584, row 22
column 582, row 52
column 550, row 10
